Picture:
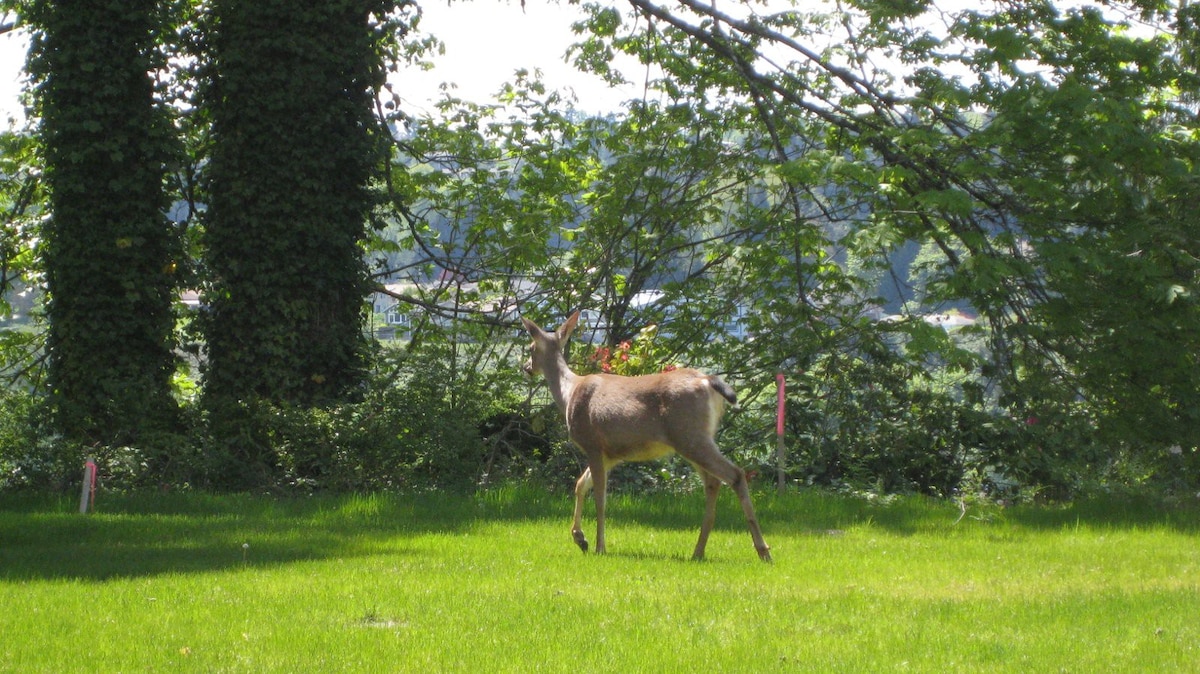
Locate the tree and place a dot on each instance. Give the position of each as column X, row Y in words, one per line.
column 290, row 91
column 109, row 254
column 1042, row 150
column 1038, row 161
column 1040, row 157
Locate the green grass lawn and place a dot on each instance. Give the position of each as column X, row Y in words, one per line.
column 493, row 583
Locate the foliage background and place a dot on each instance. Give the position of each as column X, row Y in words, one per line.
column 1028, row 163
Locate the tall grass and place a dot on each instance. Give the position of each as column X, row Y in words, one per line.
column 381, row 583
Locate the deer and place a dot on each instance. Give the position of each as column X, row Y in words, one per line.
column 613, row 419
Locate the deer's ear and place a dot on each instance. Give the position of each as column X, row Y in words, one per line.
column 567, row 328
column 530, row 327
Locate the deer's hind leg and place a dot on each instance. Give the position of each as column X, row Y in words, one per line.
column 712, row 486
column 713, row 464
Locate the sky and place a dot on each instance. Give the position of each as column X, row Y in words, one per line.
column 485, row 41
column 12, row 57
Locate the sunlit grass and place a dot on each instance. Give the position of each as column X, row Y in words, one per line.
column 493, row 583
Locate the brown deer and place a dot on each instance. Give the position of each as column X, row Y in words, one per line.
column 615, row 419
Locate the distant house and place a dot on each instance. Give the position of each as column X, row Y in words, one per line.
column 395, row 313
column 191, row 299
column 950, row 320
column 593, row 328
column 735, row 326
column 947, row 321
column 441, row 301
column 645, row 298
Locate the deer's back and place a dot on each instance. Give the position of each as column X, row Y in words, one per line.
column 640, row 418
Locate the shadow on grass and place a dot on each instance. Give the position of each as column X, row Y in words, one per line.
column 43, row 537
column 913, row 515
column 821, row 513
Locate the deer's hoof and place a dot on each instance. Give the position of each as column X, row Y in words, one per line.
column 581, row 540
column 765, row 554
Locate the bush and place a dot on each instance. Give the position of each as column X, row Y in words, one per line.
column 422, row 423
column 31, row 456
column 404, row 430
column 862, row 426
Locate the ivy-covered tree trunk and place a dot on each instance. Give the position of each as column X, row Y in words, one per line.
column 292, row 153
column 108, row 250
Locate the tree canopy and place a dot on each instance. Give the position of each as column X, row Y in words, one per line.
column 827, row 178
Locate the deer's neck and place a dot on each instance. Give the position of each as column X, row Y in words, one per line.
column 561, row 381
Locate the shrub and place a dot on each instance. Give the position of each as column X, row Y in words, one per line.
column 31, row 456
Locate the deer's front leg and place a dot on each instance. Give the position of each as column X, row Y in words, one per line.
column 582, row 486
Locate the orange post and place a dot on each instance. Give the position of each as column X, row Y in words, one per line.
column 780, row 450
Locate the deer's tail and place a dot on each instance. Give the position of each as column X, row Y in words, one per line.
column 724, row 389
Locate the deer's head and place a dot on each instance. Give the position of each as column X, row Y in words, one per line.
column 546, row 348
